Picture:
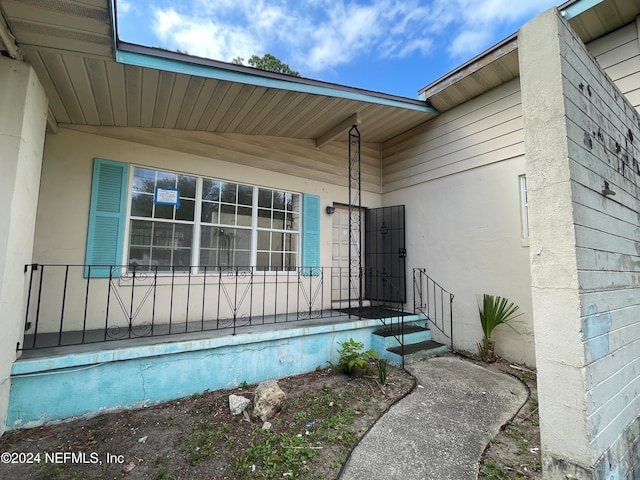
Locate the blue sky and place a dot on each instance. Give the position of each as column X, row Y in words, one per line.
column 390, row 46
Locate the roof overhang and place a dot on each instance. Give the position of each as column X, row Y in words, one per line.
column 92, row 78
column 591, row 19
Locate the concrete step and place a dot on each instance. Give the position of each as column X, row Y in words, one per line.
column 415, row 352
column 413, row 333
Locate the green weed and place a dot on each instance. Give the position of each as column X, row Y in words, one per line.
column 382, row 364
column 170, row 419
column 163, row 474
column 522, row 447
column 203, row 440
column 353, row 355
column 274, row 455
column 491, row 470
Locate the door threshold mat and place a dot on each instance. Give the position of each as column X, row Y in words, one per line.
column 374, row 311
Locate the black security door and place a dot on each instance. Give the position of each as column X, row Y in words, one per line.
column 385, row 276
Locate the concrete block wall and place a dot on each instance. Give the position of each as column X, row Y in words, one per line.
column 582, row 137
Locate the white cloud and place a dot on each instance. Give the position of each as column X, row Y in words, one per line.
column 424, row 46
column 124, row 7
column 476, row 21
column 202, row 37
column 468, row 42
column 165, row 21
column 318, row 35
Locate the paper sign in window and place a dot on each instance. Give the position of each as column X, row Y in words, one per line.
column 167, row 196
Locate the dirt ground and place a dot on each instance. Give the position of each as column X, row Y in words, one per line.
column 515, row 451
column 324, row 415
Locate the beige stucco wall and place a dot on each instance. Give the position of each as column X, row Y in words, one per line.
column 63, row 210
column 459, row 177
column 23, row 113
column 467, row 234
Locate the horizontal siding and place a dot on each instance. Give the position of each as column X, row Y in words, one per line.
column 485, row 130
column 611, row 41
column 602, row 131
column 619, row 55
column 284, row 155
column 613, row 384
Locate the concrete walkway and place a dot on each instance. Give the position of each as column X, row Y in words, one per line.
column 441, row 429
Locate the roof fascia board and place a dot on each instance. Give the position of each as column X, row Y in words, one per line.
column 206, row 71
column 113, row 14
column 578, row 8
column 477, row 63
column 8, row 40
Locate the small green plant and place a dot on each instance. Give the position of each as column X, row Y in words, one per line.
column 198, row 395
column 510, row 431
column 202, row 442
column 353, row 355
column 102, row 419
column 170, row 420
column 50, row 472
column 492, row 470
column 163, row 474
column 381, row 365
column 274, row 455
column 494, row 311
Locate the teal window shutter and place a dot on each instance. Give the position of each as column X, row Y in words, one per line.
column 107, row 216
column 311, row 231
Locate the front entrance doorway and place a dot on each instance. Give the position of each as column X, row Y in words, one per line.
column 384, row 269
column 385, row 254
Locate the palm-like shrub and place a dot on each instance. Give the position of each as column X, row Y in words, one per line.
column 494, row 311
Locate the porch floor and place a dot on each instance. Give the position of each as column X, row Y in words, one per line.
column 47, row 343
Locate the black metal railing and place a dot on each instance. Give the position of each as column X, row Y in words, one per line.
column 67, row 305
column 384, row 302
column 433, row 301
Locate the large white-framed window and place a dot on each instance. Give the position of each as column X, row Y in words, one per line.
column 211, row 223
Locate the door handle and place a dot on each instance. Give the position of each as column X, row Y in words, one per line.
column 402, row 253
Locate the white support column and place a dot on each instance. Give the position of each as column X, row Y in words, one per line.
column 554, row 275
column 23, row 118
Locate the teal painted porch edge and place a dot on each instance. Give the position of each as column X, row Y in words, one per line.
column 51, row 389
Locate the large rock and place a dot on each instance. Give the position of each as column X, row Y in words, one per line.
column 267, row 400
column 237, row 404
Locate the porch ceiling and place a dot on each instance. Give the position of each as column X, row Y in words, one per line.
column 71, row 47
column 499, row 64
